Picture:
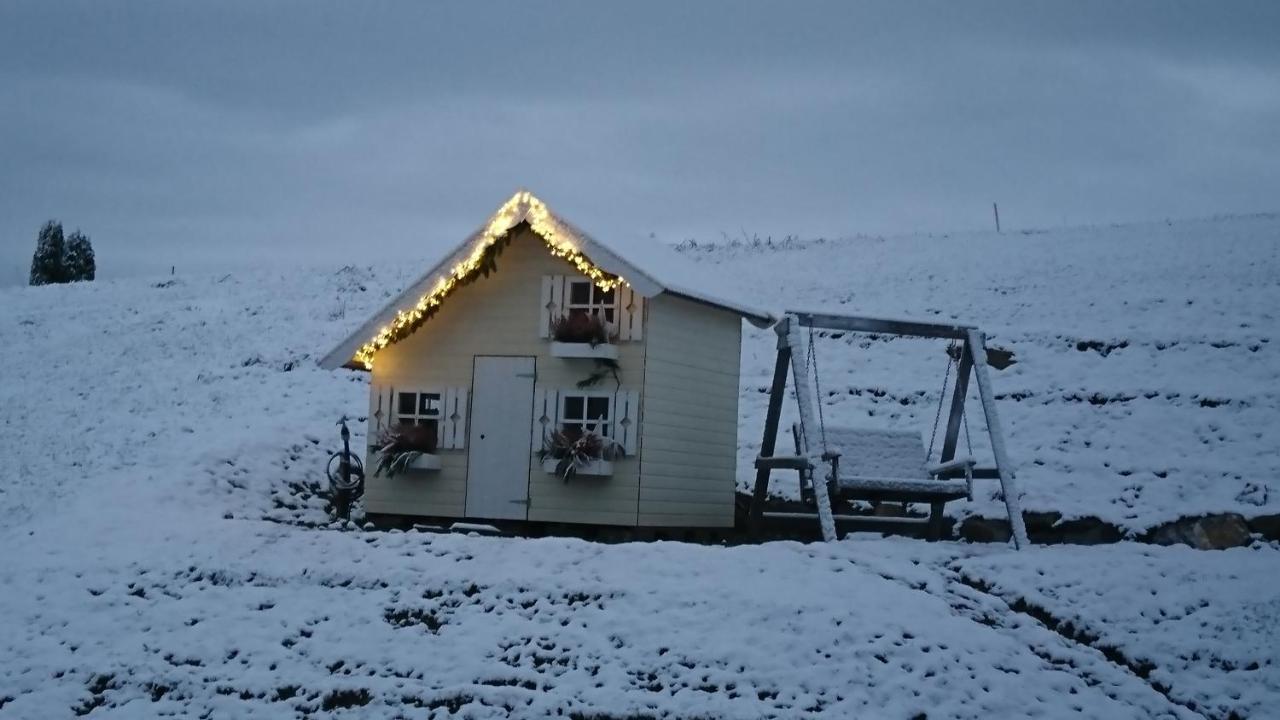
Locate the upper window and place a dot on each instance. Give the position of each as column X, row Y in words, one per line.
column 585, row 298
column 579, row 412
column 419, row 408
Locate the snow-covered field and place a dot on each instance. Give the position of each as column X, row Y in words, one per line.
column 249, row 619
column 1147, row 383
column 166, row 553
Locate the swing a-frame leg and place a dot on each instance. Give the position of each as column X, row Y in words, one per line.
column 1008, row 484
column 955, row 418
column 768, row 444
column 808, row 422
column 806, row 459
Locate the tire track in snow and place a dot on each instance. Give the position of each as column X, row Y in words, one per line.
column 1080, row 638
column 1118, row 680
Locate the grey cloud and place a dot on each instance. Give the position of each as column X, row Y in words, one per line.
column 217, row 134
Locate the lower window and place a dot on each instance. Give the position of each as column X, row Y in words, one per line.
column 586, row 412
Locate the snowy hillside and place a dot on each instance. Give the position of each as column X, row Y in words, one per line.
column 166, row 551
column 1147, row 383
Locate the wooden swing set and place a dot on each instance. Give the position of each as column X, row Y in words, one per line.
column 879, row 465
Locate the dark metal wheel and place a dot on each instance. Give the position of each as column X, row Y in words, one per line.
column 346, row 472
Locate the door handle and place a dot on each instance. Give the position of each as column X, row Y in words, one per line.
column 528, row 375
column 519, row 502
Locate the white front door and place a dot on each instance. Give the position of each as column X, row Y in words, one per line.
column 500, row 448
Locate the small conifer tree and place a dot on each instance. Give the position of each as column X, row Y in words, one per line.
column 78, row 263
column 47, row 265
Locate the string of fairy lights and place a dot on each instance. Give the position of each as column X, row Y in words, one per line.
column 522, row 207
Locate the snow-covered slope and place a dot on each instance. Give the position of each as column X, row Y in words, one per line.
column 188, row 387
column 166, row 552
column 1147, row 383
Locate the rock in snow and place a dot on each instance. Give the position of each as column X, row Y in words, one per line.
column 1214, row 532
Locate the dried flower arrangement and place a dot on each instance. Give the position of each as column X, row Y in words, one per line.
column 401, row 444
column 573, row 449
column 582, row 328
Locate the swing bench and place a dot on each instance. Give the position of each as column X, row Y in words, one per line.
column 878, row 465
column 885, row 465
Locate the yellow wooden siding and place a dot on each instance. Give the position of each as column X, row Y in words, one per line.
column 690, row 414
column 499, row 315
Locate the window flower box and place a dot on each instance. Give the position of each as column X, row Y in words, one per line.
column 592, row 468
column 584, row 334
column 578, row 448
column 425, row 461
column 599, row 351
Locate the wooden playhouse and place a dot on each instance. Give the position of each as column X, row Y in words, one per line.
column 532, row 334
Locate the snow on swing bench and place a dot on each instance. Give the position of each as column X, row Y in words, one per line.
column 875, row 461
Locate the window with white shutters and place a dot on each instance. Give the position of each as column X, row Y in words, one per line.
column 442, row 408
column 615, row 415
column 567, row 295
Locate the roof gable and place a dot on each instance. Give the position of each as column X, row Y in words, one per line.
column 648, row 268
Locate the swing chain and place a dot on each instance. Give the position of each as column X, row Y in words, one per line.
column 811, row 359
column 942, row 399
column 817, row 388
column 968, row 443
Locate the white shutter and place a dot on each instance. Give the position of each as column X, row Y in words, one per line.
column 637, row 316
column 546, row 408
column 630, row 314
column 462, row 407
column 379, row 413
column 559, row 297
column 626, row 419
column 544, row 308
column 553, row 302
column 444, row 426
column 453, row 419
column 622, row 296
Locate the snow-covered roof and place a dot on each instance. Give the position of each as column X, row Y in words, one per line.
column 660, row 265
column 646, row 265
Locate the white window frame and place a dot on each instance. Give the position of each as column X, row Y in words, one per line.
column 418, row 415
column 603, row 426
column 595, row 305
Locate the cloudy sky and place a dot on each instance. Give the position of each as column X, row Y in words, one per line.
column 215, row 135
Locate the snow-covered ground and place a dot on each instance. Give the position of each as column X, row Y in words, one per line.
column 1202, row 627
column 251, row 619
column 164, row 440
